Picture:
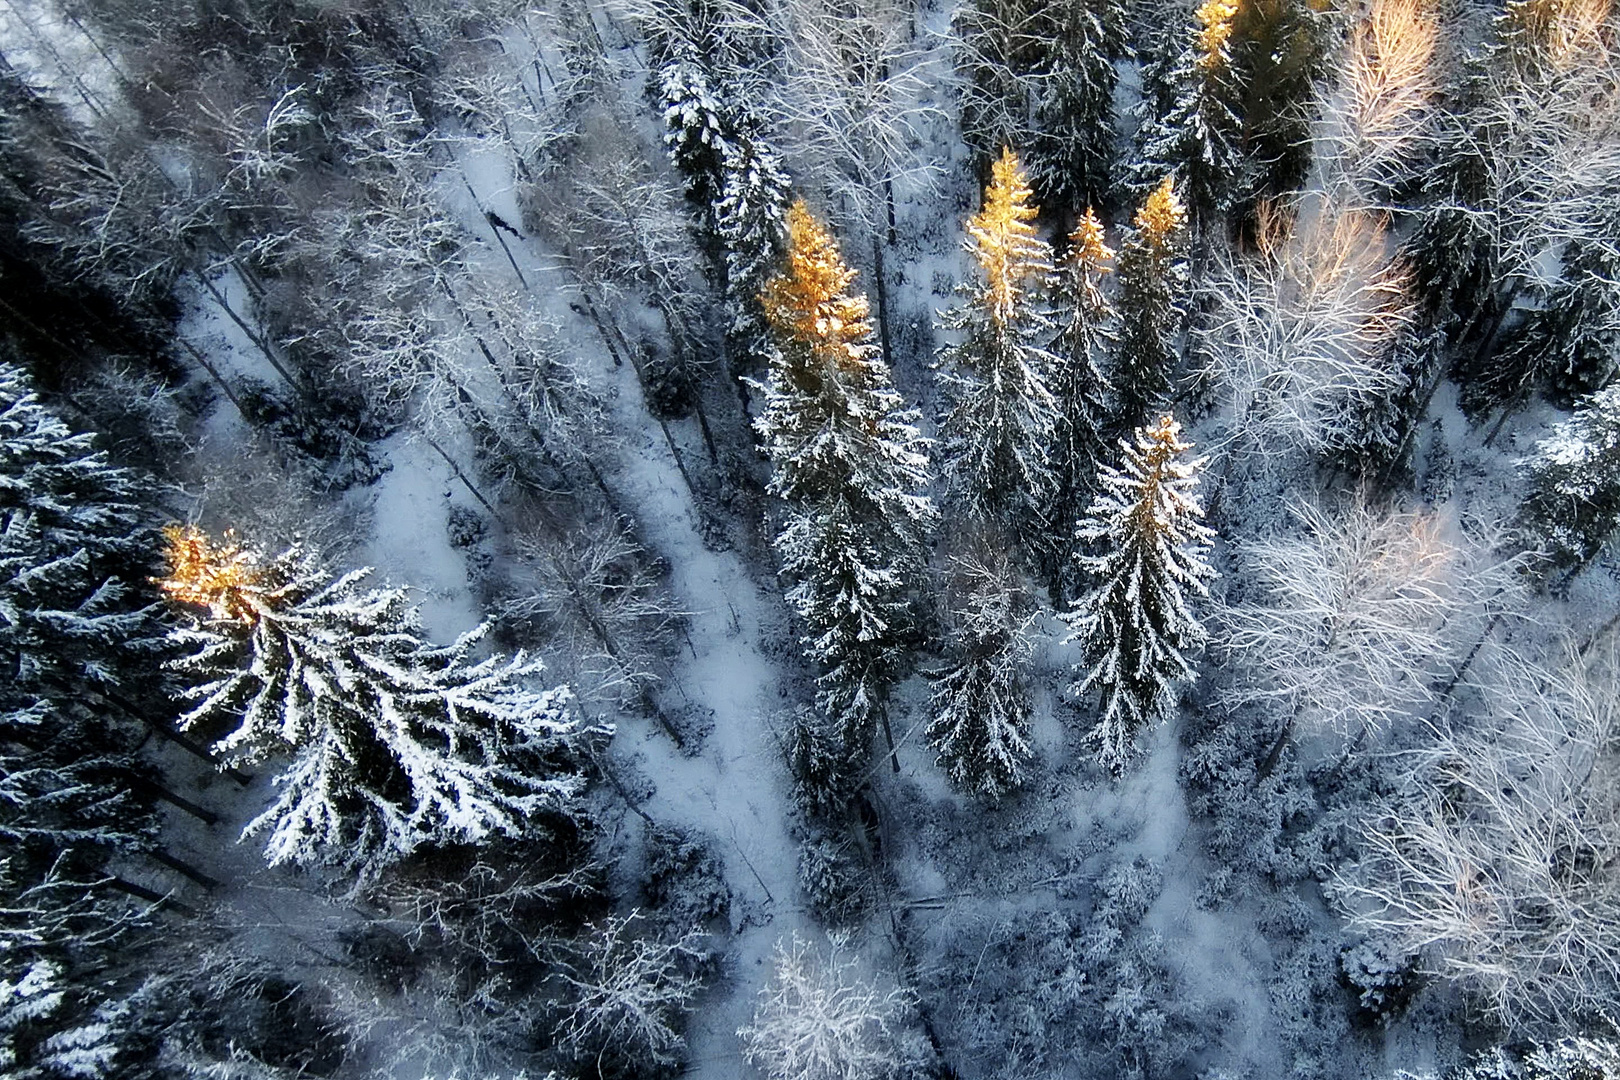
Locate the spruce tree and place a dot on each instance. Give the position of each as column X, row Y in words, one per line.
column 1135, row 623
column 697, row 129
column 393, row 742
column 1278, row 52
column 750, row 219
column 1081, row 390
column 78, row 643
column 1001, row 414
column 1198, row 140
column 1072, row 157
column 1151, row 280
column 1572, row 507
column 981, row 701
column 850, row 465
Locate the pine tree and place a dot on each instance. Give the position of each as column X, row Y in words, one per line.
column 1573, row 506
column 1072, row 158
column 981, row 702
column 394, row 742
column 1197, row 141
column 1079, row 386
column 1135, row 624
column 1151, row 278
column 848, row 461
column 1001, row 414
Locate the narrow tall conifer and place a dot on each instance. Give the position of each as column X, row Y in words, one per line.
column 850, row 464
column 1135, row 623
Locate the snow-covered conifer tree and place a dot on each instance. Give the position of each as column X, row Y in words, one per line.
column 750, row 215
column 1041, row 77
column 850, row 464
column 697, row 131
column 1197, row 141
column 981, row 701
column 1151, row 278
column 76, row 631
column 1001, row 417
column 1573, row 506
column 394, row 742
column 1081, row 390
column 1071, row 159
column 1277, row 50
column 1135, row 624
column 77, row 640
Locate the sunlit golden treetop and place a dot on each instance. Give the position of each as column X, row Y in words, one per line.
column 1087, row 248
column 809, row 302
column 1003, row 239
column 225, row 578
column 1215, row 18
column 1162, row 215
column 1559, row 32
column 1163, row 445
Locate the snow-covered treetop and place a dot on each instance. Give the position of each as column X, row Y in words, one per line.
column 1154, row 491
column 225, row 578
column 1215, row 21
column 1088, row 250
column 1003, row 240
column 1161, row 217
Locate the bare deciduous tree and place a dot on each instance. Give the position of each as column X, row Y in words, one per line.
column 1359, row 617
column 819, row 1020
column 1497, row 862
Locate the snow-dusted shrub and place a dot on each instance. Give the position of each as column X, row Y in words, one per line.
column 832, row 879
column 1034, row 992
column 1383, row 983
column 1568, row 1058
column 819, row 1019
column 683, row 879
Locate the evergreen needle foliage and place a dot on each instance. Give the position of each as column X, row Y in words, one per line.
column 1001, row 415
column 393, row 742
column 848, row 461
column 1135, row 625
column 1151, row 281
